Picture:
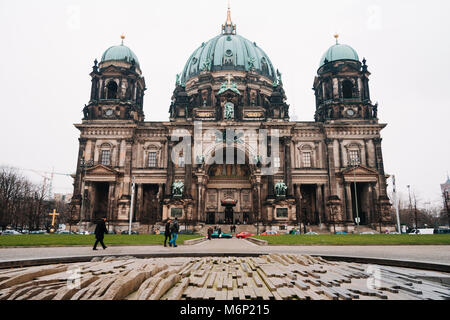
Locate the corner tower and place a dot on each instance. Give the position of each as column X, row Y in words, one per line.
column 117, row 91
column 342, row 86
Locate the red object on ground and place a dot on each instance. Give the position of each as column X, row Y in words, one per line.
column 244, row 235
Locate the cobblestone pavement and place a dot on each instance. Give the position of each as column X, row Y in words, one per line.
column 266, row 277
column 427, row 254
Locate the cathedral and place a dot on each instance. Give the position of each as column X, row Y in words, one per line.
column 229, row 152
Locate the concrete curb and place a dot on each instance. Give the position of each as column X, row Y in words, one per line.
column 388, row 262
column 364, row 260
column 194, row 241
column 259, row 242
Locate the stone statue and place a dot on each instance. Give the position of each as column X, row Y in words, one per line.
column 86, row 112
column 375, row 110
column 229, row 111
column 177, row 188
column 251, row 63
column 280, row 82
column 280, row 189
column 206, row 65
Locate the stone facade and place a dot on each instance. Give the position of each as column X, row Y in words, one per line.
column 224, row 109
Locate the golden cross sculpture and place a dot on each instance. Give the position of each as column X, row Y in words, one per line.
column 53, row 214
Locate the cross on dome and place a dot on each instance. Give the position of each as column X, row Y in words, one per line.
column 229, row 27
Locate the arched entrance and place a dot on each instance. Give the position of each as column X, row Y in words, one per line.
column 228, row 194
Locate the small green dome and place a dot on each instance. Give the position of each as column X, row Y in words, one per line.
column 120, row 53
column 228, row 52
column 339, row 52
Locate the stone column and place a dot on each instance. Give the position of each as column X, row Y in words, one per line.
column 348, row 197
column 259, row 193
column 159, row 197
column 111, row 198
column 366, row 153
column 188, row 180
column 374, row 203
column 139, row 202
column 380, row 166
column 80, row 171
column 319, row 202
column 298, row 198
column 270, row 183
column 331, row 167
column 200, row 201
column 341, row 159
column 128, row 167
column 287, row 166
column 170, row 168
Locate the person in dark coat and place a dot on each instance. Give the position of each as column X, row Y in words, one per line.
column 167, row 233
column 100, row 231
column 210, row 231
column 174, row 231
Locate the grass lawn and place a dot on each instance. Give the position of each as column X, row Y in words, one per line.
column 35, row 240
column 355, row 239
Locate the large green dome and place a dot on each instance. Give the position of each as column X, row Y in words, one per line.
column 228, row 52
column 120, row 53
column 339, row 52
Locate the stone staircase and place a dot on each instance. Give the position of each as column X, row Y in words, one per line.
column 226, row 228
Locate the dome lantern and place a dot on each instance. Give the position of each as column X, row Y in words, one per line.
column 120, row 53
column 338, row 52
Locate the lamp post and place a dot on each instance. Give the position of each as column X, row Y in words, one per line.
column 394, row 192
column 355, row 163
column 133, row 188
column 410, row 205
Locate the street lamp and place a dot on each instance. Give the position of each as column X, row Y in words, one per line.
column 355, row 163
column 410, row 205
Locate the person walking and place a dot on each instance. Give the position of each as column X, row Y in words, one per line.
column 167, row 234
column 219, row 232
column 174, row 230
column 210, row 231
column 100, row 231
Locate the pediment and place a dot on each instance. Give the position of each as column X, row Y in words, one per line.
column 111, row 68
column 228, row 91
column 360, row 174
column 101, row 169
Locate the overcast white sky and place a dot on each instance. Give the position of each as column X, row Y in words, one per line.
column 48, row 49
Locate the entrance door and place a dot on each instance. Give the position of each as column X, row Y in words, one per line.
column 211, row 218
column 150, row 214
column 229, row 215
column 246, row 217
column 101, row 200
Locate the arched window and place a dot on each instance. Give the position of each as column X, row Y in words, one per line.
column 111, row 90
column 347, row 89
